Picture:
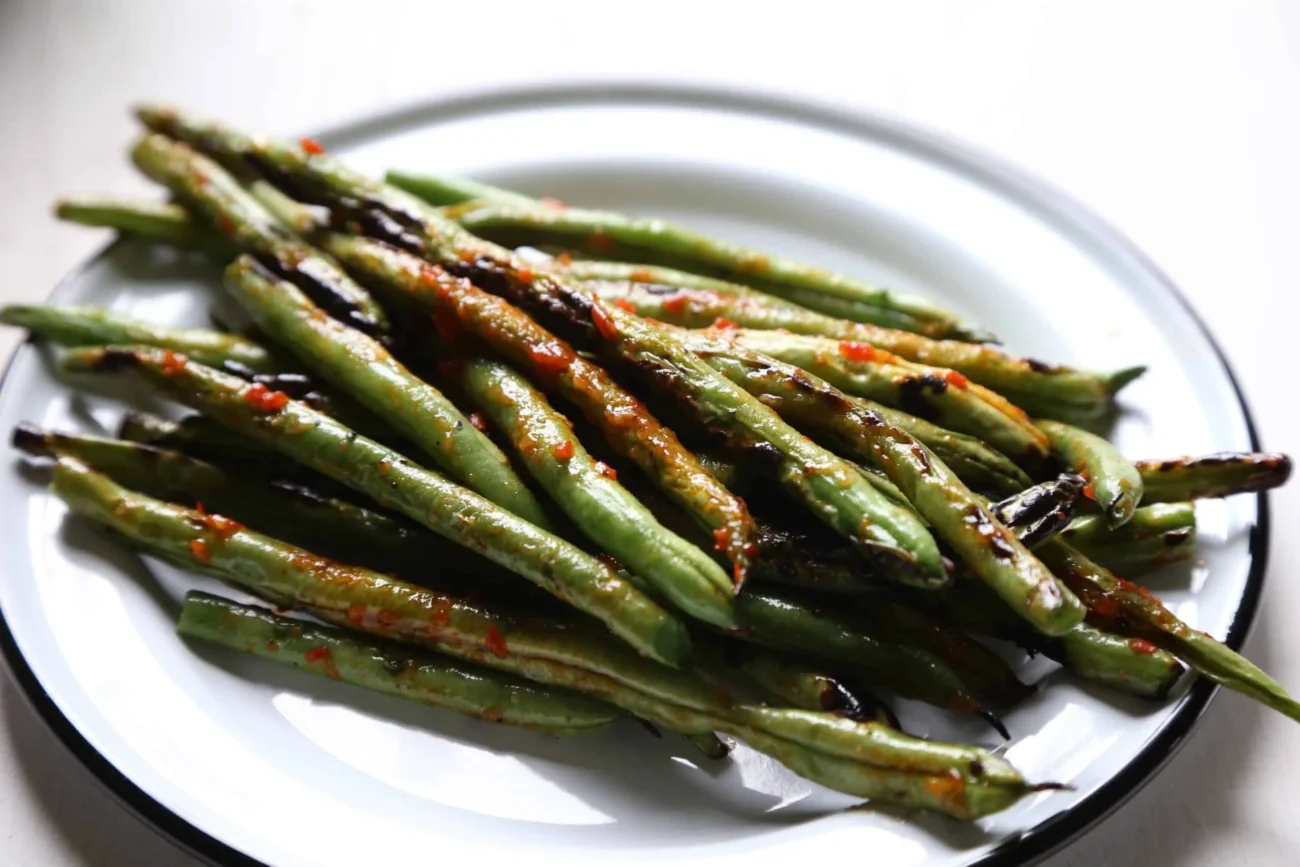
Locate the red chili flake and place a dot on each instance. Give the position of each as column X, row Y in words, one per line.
column 855, row 351
column 311, row 146
column 601, row 241
column 478, row 421
column 956, row 380
column 264, row 399
column 199, row 549
column 551, row 359
column 448, row 369
column 1105, row 605
column 173, row 363
column 609, row 561
column 272, row 645
column 323, row 654
column 603, row 323
column 563, row 451
column 1141, row 645
column 1090, row 491
column 553, row 203
column 737, row 574
column 724, row 323
column 606, row 470
column 721, row 539
column 564, row 259
column 356, row 614
column 496, row 642
column 221, row 525
column 625, row 304
column 198, row 507
column 674, row 305
column 525, row 276
column 386, row 618
column 447, row 323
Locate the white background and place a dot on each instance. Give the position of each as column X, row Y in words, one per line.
column 1179, row 122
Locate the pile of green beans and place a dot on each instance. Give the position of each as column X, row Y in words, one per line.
column 789, row 495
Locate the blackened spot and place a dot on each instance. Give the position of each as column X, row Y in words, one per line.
column 1174, row 538
column 29, row 438
column 1041, row 366
column 115, row 360
column 649, row 726
column 912, row 394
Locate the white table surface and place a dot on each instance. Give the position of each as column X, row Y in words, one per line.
column 1178, row 121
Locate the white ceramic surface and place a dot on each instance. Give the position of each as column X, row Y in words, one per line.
column 275, row 765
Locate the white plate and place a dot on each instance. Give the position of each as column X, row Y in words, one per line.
column 240, row 760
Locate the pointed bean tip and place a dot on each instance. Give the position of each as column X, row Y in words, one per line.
column 1121, row 378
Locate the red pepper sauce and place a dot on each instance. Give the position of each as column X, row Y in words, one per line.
column 1141, row 645
column 550, row 359
column 855, row 351
column 604, row 324
column 563, row 451
column 199, row 549
column 263, row 399
column 478, row 421
column 625, row 304
column 675, row 305
column 956, row 380
column 496, row 642
column 601, row 241
column 724, row 323
column 606, row 470
column 173, row 363
column 311, row 146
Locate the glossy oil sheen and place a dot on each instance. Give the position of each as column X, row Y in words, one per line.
column 273, row 764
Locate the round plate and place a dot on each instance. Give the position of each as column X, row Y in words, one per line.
column 239, row 759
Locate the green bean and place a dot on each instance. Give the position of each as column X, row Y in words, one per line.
column 657, row 280
column 798, row 627
column 1113, row 661
column 156, row 222
column 626, row 424
column 1147, row 522
column 859, row 758
column 982, row 670
column 986, row 546
column 361, row 366
column 828, row 486
column 1113, row 482
column 1156, row 535
column 456, row 513
column 94, row 326
column 1130, row 610
column 296, row 513
column 451, row 190
column 590, row 495
column 390, row 668
column 944, row 397
column 1049, row 391
column 1217, row 475
column 210, row 191
column 514, row 220
column 793, row 683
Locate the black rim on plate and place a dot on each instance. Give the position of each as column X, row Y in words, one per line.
column 1055, row 207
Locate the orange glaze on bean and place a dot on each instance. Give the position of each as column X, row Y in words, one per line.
column 855, row 351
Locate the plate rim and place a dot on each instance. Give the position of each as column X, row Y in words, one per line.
column 1048, row 202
